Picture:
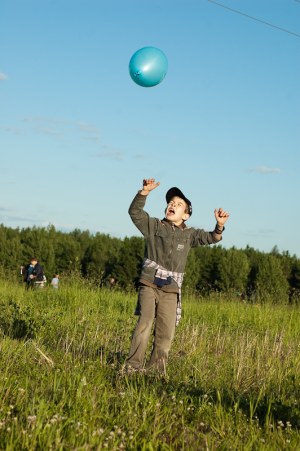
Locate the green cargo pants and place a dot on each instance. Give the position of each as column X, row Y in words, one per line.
column 160, row 306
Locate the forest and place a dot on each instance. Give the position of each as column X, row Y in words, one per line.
column 248, row 274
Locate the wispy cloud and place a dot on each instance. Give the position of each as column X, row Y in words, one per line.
column 12, row 130
column 3, row 76
column 44, row 120
column 10, row 217
column 94, row 139
column 87, row 128
column 16, row 219
column 4, row 209
column 264, row 170
column 60, row 127
column 260, row 232
column 63, row 129
column 110, row 154
column 139, row 156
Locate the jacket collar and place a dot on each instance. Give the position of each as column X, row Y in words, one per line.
column 182, row 225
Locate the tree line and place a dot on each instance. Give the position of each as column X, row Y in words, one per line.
column 246, row 273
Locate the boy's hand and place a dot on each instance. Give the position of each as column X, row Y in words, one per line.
column 148, row 185
column 221, row 216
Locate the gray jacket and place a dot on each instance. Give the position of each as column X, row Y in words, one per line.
column 165, row 243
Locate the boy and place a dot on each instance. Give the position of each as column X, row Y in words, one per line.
column 167, row 243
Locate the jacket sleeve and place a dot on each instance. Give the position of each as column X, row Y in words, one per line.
column 139, row 217
column 200, row 238
column 39, row 272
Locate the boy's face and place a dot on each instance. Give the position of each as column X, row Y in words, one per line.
column 176, row 211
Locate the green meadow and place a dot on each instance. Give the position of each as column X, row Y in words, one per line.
column 232, row 380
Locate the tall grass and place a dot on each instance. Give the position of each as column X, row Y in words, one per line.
column 232, row 383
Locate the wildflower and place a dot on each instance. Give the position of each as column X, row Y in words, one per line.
column 31, row 419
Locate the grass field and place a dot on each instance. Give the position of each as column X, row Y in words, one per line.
column 232, row 384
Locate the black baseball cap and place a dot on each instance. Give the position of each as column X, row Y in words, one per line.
column 175, row 192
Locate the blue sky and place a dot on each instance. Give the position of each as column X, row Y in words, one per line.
column 77, row 135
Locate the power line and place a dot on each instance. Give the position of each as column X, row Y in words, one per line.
column 256, row 18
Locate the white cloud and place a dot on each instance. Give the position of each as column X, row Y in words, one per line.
column 3, row 76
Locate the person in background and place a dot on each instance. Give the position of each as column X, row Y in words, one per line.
column 34, row 276
column 110, row 283
column 55, row 281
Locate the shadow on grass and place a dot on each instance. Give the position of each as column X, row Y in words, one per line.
column 16, row 321
column 264, row 409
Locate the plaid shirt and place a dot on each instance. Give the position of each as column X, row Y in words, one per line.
column 164, row 274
